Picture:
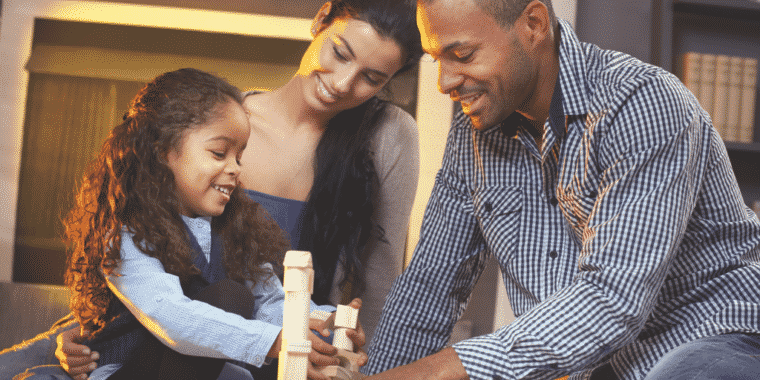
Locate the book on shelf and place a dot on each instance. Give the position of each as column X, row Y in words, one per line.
column 692, row 64
column 734, row 98
column 707, row 83
column 720, row 96
column 749, row 89
column 726, row 88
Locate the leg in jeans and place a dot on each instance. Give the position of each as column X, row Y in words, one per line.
column 37, row 351
column 730, row 357
column 44, row 372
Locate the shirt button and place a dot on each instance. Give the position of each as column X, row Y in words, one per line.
column 488, row 206
column 553, row 201
column 593, row 194
column 553, row 254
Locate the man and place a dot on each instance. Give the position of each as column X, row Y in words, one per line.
column 607, row 197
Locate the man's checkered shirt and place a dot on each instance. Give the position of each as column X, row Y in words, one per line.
column 622, row 237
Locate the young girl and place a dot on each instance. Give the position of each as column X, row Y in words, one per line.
column 162, row 231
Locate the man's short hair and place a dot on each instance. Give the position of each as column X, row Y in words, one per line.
column 506, row 12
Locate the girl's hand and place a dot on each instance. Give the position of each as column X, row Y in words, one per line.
column 76, row 359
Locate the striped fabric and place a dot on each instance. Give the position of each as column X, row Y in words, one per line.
column 621, row 237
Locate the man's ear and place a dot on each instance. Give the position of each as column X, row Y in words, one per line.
column 318, row 23
column 535, row 23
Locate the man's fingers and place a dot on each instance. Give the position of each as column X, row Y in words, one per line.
column 362, row 357
column 357, row 336
column 323, row 327
column 318, row 359
column 356, row 303
column 319, row 345
column 313, row 374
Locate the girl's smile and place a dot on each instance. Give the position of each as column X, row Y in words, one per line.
column 206, row 164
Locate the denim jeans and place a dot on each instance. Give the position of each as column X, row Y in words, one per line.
column 34, row 352
column 733, row 356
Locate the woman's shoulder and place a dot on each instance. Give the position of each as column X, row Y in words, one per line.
column 395, row 140
column 395, row 125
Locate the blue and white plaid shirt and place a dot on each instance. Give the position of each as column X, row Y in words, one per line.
column 639, row 242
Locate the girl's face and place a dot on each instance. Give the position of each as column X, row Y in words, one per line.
column 206, row 163
column 346, row 64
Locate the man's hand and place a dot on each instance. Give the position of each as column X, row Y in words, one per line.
column 356, row 335
column 322, row 353
column 76, row 359
column 443, row 365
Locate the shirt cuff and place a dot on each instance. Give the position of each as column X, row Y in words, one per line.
column 484, row 357
column 268, row 337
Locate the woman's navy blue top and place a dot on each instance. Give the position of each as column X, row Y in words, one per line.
column 286, row 212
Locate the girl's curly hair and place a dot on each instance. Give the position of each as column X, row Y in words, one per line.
column 130, row 187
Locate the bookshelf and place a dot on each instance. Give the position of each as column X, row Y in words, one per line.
column 720, row 27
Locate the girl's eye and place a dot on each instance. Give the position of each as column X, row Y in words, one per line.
column 218, row 154
column 339, row 55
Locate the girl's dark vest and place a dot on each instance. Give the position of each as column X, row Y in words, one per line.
column 121, row 337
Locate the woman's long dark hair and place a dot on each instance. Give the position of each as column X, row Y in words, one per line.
column 130, row 187
column 338, row 215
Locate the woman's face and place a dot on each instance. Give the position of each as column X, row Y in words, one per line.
column 347, row 63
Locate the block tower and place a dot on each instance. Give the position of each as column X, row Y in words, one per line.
column 298, row 285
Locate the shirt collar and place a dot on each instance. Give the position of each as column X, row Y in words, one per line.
column 557, row 113
column 556, row 117
column 572, row 72
column 569, row 97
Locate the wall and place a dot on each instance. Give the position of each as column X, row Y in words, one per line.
column 620, row 25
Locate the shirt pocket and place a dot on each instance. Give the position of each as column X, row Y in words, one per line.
column 577, row 203
column 498, row 211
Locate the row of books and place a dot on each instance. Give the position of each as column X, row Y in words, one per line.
column 725, row 87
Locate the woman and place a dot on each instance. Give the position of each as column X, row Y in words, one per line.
column 335, row 166
column 347, row 159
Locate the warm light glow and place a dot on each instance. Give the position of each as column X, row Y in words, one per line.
column 181, row 18
column 15, row 51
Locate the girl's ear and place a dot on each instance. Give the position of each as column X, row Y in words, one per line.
column 318, row 24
